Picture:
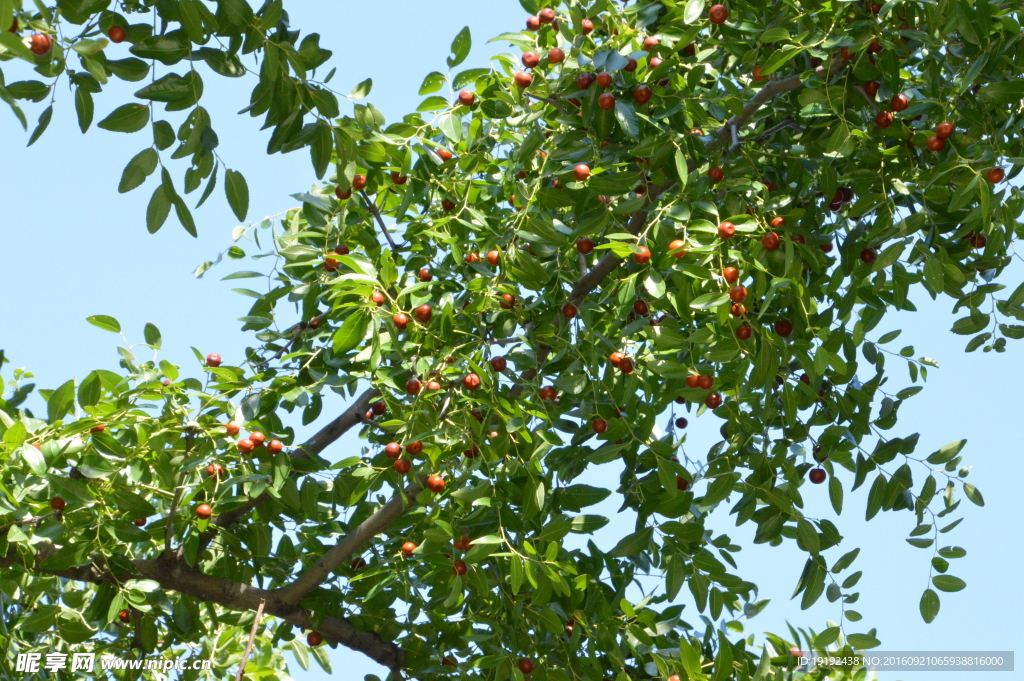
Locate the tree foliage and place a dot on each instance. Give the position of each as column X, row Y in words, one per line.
column 648, row 217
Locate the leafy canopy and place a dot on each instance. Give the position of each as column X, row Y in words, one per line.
column 659, row 216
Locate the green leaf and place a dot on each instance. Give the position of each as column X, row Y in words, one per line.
column 238, row 193
column 626, row 115
column 1007, row 92
column 948, row 583
column 158, row 209
column 104, row 322
column 41, row 125
column 929, row 605
column 138, row 169
column 947, row 452
column 693, row 11
column 708, row 301
column 33, row 458
column 168, row 49
column 360, row 91
column 681, row 168
column 862, row 641
column 152, row 334
column 351, row 333
column 126, row 118
column 83, row 107
column 184, row 215
column 168, row 88
column 633, row 544
column 827, row 637
column 460, row 48
column 780, row 58
column 61, row 401
column 973, row 494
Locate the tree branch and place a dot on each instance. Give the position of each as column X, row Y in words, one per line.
column 348, row 545
column 380, row 221
column 252, row 638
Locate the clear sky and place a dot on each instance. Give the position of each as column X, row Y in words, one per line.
column 73, row 247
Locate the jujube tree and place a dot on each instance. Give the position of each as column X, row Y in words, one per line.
column 653, row 213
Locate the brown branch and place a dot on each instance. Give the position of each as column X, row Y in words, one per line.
column 549, row 100
column 252, row 638
column 347, row 546
column 380, row 221
column 31, row 520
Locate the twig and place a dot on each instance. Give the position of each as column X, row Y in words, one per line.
column 864, row 93
column 553, row 102
column 788, row 123
column 735, row 138
column 446, row 405
column 169, row 526
column 33, row 520
column 252, row 637
column 380, row 221
column 583, row 264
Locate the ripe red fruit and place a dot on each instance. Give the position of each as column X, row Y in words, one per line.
column 641, row 308
column 738, row 294
column 778, row 222
column 643, row 257
column 359, row 182
column 402, row 466
column 466, row 98
column 883, row 119
column 275, row 446
column 599, row 425
column 682, row 484
column 770, row 241
column 585, row 80
column 935, row 143
column 642, row 94
column 616, row 358
column 784, row 327
column 117, row 34
column 471, row 453
column 215, row 470
column 716, row 173
column 523, row 80
column 435, row 483
column 203, row 511
column 653, row 63
column 555, row 56
column 424, row 312
column 818, row 476
column 407, row 549
column 392, row 450
column 630, row 65
column 533, row 23
column 726, row 230
column 459, row 567
column 546, row 15
column 899, row 102
column 705, row 382
column 448, row 205
column 995, row 175
column 713, row 401
column 586, row 26
column 125, row 616
column 756, row 73
column 846, row 54
column 868, row 255
column 731, row 275
column 718, row 14
column 314, row 639
column 681, row 422
column 445, row 156
column 978, row 240
column 871, row 87
column 245, row 445
column 569, row 311
column 626, row 365
column 499, row 364
column 378, row 298
column 738, row 310
column 414, row 448
column 57, row 504
column 508, row 301
column 358, row 563
column 875, row 47
column 585, row 245
column 675, row 245
column 693, row 381
column 581, row 172
column 743, row 332
column 650, row 43
column 213, row 360
column 342, row 194
column 401, row 320
column 826, row 247
column 606, row 101
column 944, row 130
column 530, row 59
column 526, row 665
column 413, row 386
column 98, row 429
column 548, row 393
column 257, row 438
column 604, row 79
column 471, row 382
column 40, row 44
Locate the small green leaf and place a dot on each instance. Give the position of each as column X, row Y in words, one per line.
column 138, row 169
column 33, row 458
column 632, row 544
column 693, row 11
column 973, row 494
column 152, row 334
column 360, row 91
column 626, row 115
column 929, row 605
column 948, row 583
column 681, row 168
column 158, row 209
column 460, row 48
column 708, row 301
column 126, row 118
column 351, row 332
column 238, row 193
column 105, row 322
column 83, row 107
column 863, row 641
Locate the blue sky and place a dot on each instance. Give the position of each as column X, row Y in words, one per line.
column 74, row 247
